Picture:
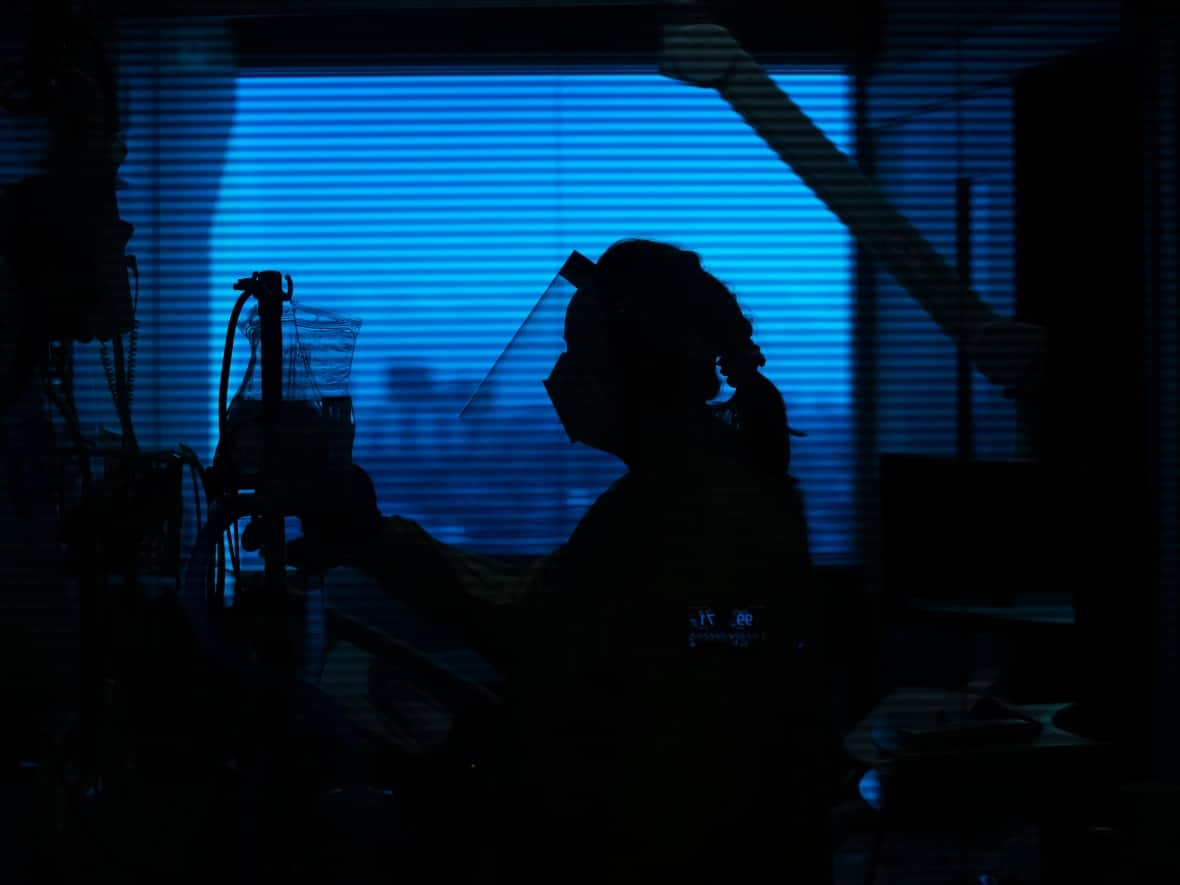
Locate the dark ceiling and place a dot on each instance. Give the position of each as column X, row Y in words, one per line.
column 896, row 31
column 914, row 28
column 558, row 32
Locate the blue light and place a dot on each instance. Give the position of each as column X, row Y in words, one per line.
column 437, row 207
column 872, row 789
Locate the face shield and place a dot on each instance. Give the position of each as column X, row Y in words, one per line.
column 548, row 377
column 530, row 485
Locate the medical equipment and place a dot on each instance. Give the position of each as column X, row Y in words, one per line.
column 316, row 424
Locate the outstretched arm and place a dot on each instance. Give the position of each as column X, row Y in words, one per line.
column 481, row 596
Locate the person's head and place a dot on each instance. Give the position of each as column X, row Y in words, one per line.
column 643, row 345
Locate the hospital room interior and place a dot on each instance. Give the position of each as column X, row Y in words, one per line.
column 511, row 440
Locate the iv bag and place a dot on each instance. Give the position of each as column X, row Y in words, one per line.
column 318, row 347
column 316, row 420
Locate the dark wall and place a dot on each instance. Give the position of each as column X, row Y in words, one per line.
column 1088, row 142
column 1081, row 126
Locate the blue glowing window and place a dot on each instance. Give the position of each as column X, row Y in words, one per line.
column 436, row 207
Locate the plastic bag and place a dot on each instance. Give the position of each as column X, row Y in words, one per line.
column 316, row 423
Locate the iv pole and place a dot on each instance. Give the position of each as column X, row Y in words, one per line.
column 266, row 288
column 266, row 501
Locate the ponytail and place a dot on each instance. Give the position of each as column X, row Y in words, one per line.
column 756, row 410
column 688, row 317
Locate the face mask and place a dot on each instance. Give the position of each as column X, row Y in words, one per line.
column 566, row 317
column 586, row 410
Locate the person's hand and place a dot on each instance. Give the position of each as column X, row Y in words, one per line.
column 337, row 511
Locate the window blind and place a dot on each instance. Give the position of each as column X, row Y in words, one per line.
column 435, row 205
column 949, row 169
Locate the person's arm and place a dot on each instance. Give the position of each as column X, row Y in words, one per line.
column 493, row 603
column 404, row 549
column 481, row 596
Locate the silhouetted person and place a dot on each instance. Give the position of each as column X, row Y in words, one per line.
column 638, row 756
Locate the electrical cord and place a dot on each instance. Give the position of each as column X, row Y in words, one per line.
column 120, row 371
column 132, row 265
column 64, row 400
column 133, row 336
column 219, row 572
column 120, row 375
column 230, row 537
column 199, row 473
column 70, row 415
column 123, row 400
column 226, row 359
column 236, row 554
column 189, row 457
column 215, row 584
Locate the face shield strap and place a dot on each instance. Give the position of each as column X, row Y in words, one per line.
column 578, row 270
column 572, row 386
column 582, row 274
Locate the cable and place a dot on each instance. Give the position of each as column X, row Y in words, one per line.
column 198, row 473
column 108, row 369
column 133, row 265
column 216, row 585
column 120, row 375
column 70, row 415
column 237, row 553
column 123, row 400
column 220, row 573
column 196, row 496
column 190, row 457
column 132, row 352
column 64, row 401
column 231, row 537
column 226, row 359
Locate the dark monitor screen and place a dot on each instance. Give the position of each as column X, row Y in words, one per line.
column 975, row 532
